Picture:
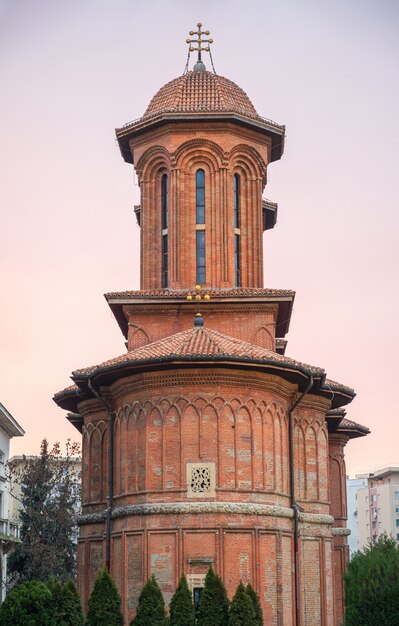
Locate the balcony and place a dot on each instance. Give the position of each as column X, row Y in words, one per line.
column 9, row 532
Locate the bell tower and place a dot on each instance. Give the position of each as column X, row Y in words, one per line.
column 201, row 153
column 203, row 443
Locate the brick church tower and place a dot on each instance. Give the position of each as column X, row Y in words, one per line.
column 203, row 444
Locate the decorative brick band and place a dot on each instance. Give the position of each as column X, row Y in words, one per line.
column 195, row 508
column 341, row 532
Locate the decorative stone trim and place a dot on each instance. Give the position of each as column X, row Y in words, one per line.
column 316, row 518
column 341, row 532
column 197, row 508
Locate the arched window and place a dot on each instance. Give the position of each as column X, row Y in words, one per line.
column 164, row 201
column 200, row 232
column 200, row 196
column 237, row 232
column 164, row 210
column 236, row 201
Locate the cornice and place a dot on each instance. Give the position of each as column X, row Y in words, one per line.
column 201, row 508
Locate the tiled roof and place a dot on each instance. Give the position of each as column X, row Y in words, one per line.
column 200, row 92
column 335, row 385
column 199, row 343
column 353, row 425
column 214, row 293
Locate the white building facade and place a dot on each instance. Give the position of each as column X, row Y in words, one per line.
column 373, row 506
column 8, row 529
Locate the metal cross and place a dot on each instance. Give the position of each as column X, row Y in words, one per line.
column 199, row 41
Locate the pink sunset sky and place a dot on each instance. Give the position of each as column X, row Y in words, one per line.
column 71, row 71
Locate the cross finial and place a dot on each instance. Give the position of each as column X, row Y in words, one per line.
column 199, row 41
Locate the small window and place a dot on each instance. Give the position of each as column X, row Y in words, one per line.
column 397, row 523
column 200, row 196
column 397, row 536
column 396, row 495
column 196, row 597
column 201, row 260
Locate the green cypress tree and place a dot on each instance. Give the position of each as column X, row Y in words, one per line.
column 241, row 610
column 151, row 607
column 105, row 602
column 214, row 605
column 71, row 613
column 55, row 589
column 28, row 604
column 372, row 585
column 258, row 621
column 181, row 607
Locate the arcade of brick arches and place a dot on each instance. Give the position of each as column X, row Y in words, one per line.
column 204, row 444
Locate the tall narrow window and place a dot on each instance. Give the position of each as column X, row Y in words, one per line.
column 237, row 233
column 236, row 201
column 200, row 245
column 164, row 209
column 200, row 196
column 164, row 201
column 237, row 260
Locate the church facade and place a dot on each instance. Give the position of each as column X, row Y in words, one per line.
column 204, row 444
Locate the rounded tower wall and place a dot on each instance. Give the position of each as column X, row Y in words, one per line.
column 222, row 154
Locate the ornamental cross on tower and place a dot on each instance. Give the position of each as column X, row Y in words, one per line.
column 199, row 41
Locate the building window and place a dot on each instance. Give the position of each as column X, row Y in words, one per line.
column 397, row 536
column 397, row 510
column 164, row 201
column 164, row 210
column 201, row 265
column 396, row 495
column 200, row 196
column 236, row 201
column 397, row 523
column 164, row 261
column 237, row 272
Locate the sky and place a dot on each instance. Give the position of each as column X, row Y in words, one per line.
column 72, row 71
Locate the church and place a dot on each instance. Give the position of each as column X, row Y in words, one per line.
column 204, row 444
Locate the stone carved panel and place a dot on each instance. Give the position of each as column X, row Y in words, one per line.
column 201, row 480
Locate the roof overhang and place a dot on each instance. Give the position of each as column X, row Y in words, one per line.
column 106, row 375
column 284, row 300
column 143, row 125
column 8, row 424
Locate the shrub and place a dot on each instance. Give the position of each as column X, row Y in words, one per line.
column 28, row 604
column 181, row 606
column 214, row 605
column 151, row 607
column 104, row 603
column 241, row 610
column 372, row 585
column 258, row 620
column 70, row 612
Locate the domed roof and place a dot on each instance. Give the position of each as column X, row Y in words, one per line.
column 200, row 91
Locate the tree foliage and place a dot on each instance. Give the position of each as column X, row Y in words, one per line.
column 181, row 606
column 258, row 619
column 151, row 607
column 372, row 585
column 48, row 490
column 241, row 610
column 28, row 604
column 67, row 607
column 214, row 605
column 105, row 602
